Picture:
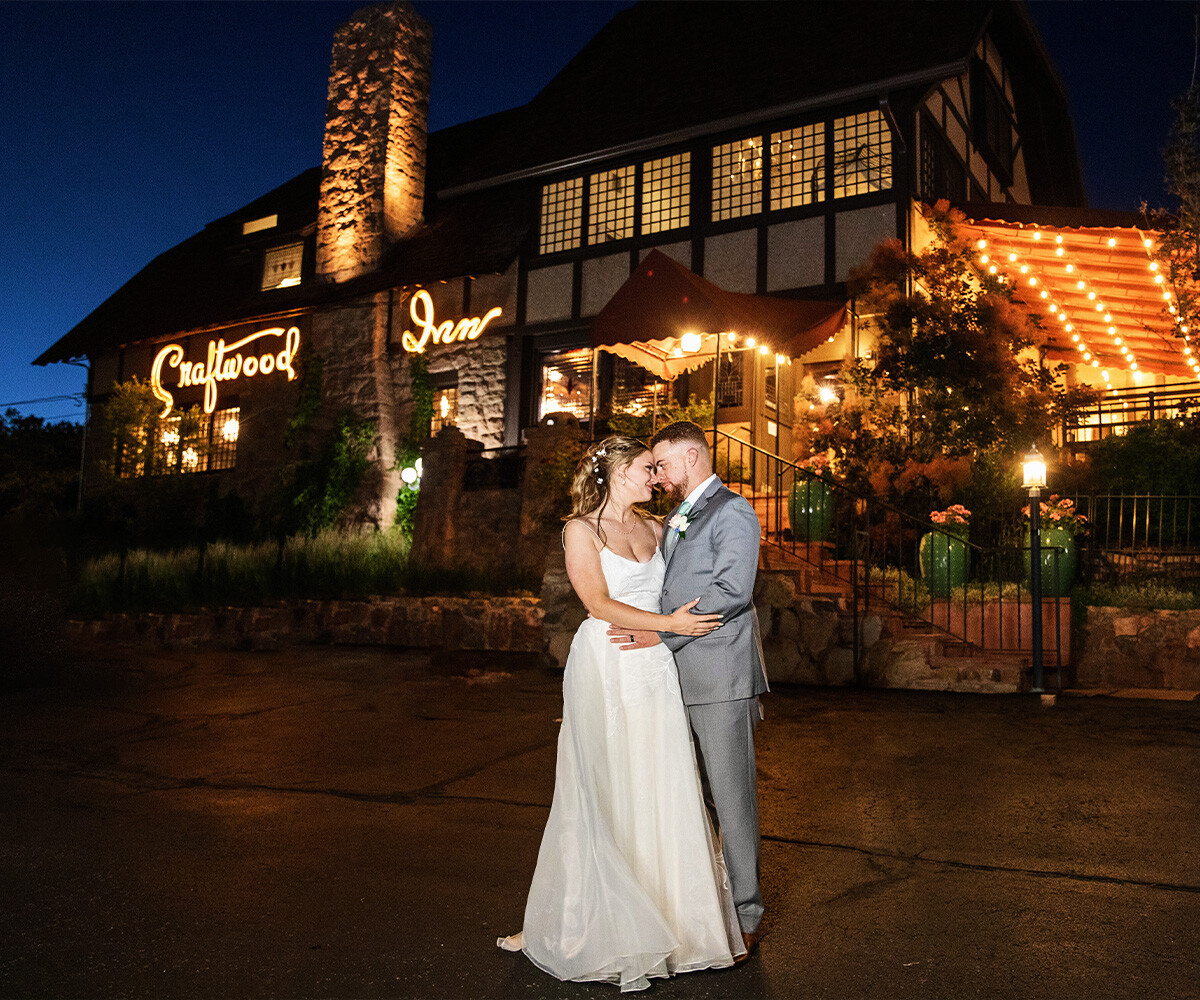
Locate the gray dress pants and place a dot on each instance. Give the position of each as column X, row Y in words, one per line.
column 724, row 733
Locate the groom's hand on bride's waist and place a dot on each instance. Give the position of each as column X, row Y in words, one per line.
column 627, row 638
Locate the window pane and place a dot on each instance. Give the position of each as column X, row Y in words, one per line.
column 862, row 155
column 610, row 205
column 798, row 166
column 730, row 382
column 566, row 383
column 666, row 193
column 226, row 426
column 445, row 408
column 635, row 390
column 562, row 209
column 737, row 179
column 281, row 266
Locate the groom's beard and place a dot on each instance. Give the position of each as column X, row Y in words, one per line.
column 676, row 493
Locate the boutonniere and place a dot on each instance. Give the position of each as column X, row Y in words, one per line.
column 680, row 524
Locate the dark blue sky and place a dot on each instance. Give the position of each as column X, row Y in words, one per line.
column 126, row 127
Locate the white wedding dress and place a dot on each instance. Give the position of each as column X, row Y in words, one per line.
column 629, row 884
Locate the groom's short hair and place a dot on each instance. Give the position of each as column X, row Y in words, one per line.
column 681, row 430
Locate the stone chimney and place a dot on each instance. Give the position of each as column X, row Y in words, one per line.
column 373, row 173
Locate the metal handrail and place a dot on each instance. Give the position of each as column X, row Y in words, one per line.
column 874, row 548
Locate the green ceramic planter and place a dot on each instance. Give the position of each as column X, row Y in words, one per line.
column 1058, row 576
column 810, row 510
column 945, row 560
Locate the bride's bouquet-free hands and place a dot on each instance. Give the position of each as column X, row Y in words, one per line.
column 682, row 622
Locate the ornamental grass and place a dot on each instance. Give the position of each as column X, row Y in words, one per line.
column 331, row 565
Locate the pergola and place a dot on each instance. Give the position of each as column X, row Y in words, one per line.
column 1094, row 288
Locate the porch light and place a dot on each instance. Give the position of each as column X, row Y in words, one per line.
column 1033, row 469
column 764, row 350
column 690, row 342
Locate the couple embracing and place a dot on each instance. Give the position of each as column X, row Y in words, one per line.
column 660, row 704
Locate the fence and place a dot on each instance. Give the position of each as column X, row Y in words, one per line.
column 973, row 593
column 1119, row 408
column 1139, row 535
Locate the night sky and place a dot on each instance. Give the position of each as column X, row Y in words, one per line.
column 127, row 127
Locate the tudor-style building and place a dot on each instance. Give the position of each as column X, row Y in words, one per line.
column 687, row 197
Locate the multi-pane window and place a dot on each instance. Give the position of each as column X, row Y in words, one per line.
column 224, row 428
column 445, row 408
column 636, row 390
column 666, row 193
column 798, row 166
column 562, row 209
column 991, row 122
column 942, row 175
column 737, row 179
column 771, row 384
column 195, row 443
column 862, row 155
column 731, row 379
column 566, row 383
column 281, row 266
column 610, row 205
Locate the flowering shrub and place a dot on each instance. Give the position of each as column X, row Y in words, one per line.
column 1060, row 512
column 954, row 519
column 818, row 464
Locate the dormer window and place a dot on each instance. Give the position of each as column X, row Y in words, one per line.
column 281, row 266
column 258, row 225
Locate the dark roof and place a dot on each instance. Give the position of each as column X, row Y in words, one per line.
column 656, row 69
column 663, row 68
column 214, row 277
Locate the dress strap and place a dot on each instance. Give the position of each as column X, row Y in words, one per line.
column 583, row 521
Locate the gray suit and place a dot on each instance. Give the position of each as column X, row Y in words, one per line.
column 722, row 674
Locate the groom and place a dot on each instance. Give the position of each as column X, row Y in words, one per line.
column 710, row 545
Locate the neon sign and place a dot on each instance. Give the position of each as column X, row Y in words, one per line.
column 223, row 365
column 420, row 308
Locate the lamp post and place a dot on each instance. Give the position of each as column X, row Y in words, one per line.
column 1034, row 480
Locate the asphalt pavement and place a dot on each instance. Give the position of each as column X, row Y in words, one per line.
column 318, row 822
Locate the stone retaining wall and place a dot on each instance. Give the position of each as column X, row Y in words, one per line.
column 1140, row 649
column 494, row 623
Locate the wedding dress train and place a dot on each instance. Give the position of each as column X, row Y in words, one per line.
column 629, row 884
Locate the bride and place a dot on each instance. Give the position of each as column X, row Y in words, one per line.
column 629, row 885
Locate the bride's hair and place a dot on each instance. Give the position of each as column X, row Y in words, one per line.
column 593, row 474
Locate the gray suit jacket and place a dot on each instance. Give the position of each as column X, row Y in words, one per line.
column 717, row 561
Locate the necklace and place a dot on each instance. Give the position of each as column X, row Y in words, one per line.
column 624, row 531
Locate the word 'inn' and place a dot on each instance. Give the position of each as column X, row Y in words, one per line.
column 420, row 308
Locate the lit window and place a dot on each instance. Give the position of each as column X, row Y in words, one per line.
column 566, row 383
column 258, row 225
column 737, row 179
column 562, row 209
column 223, row 438
column 798, row 166
column 281, row 266
column 666, row 193
column 862, row 155
column 731, row 379
column 610, row 205
column 445, row 408
column 210, row 445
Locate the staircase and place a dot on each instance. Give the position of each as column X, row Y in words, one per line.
column 808, row 619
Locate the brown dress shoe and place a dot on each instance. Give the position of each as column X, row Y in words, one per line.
column 750, row 940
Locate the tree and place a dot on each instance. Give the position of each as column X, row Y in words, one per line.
column 955, row 389
column 39, row 464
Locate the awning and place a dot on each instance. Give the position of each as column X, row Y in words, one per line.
column 1094, row 289
column 662, row 301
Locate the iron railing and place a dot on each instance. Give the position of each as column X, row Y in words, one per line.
column 1137, row 535
column 874, row 551
column 1117, row 409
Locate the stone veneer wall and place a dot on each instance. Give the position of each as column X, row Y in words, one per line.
column 510, row 624
column 481, row 369
column 373, row 167
column 1140, row 649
